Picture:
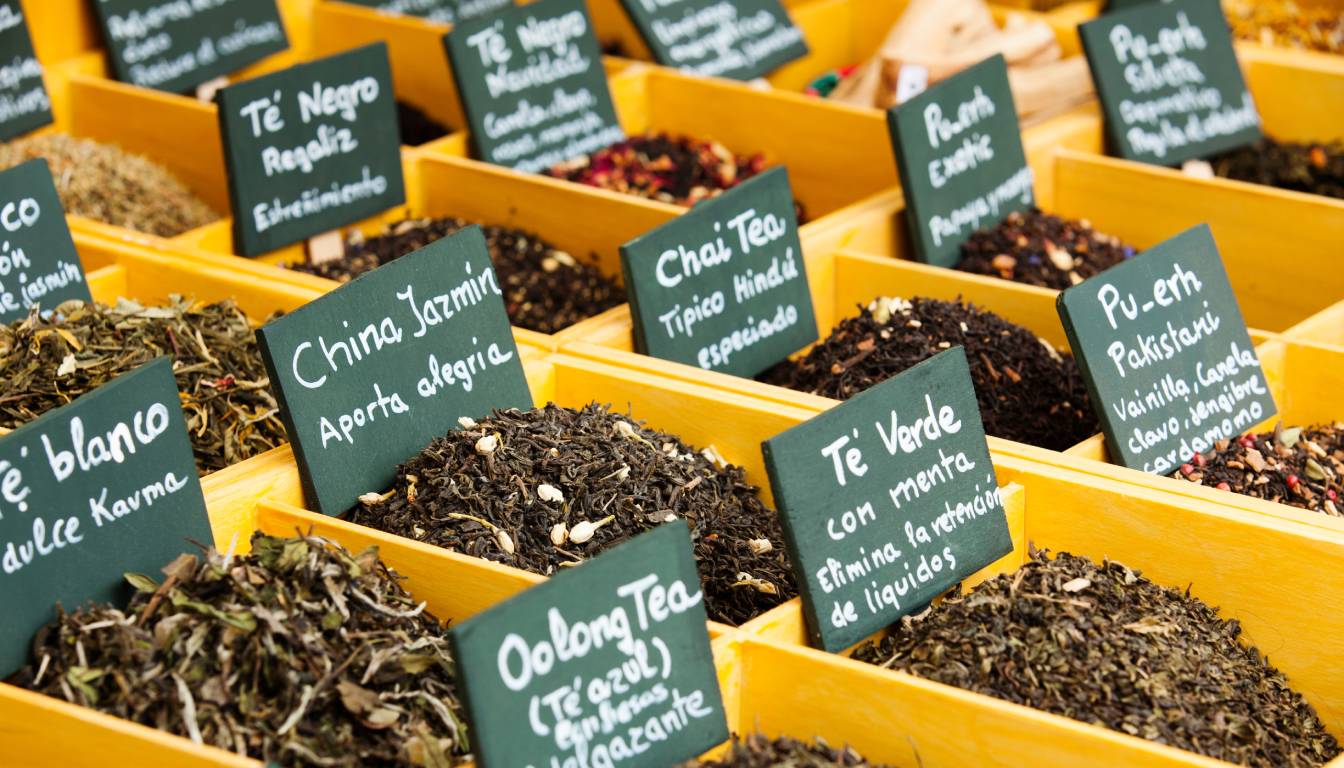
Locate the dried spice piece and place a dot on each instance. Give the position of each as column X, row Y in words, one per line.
column 1316, row 167
column 1300, row 467
column 1286, row 23
column 416, row 126
column 298, row 653
column 225, row 391
column 108, row 184
column 1041, row 249
column 1100, row 644
column 548, row 488
column 1028, row 391
column 670, row 169
column 759, row 751
column 545, row 289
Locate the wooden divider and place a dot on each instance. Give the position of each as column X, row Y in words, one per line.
column 1325, row 328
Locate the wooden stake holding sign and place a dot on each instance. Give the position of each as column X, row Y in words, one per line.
column 887, row 500
column 367, row 375
column 1170, row 87
column 24, row 95
column 89, row 492
column 193, row 44
column 1165, row 353
column 38, row 262
column 960, row 158
column 311, row 149
column 607, row 663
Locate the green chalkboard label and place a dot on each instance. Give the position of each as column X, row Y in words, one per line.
column 370, row 373
column 24, row 103
column 176, row 45
column 1124, row 5
column 1169, row 83
column 1165, row 354
column 960, row 158
column 887, row 500
column 608, row 663
column 723, row 286
column 740, row 40
column 38, row 262
column 311, row 148
column 103, row 486
column 532, row 85
column 445, row 11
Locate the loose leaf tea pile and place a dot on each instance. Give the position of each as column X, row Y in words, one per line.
column 758, row 751
column 1101, row 644
column 108, row 184
column 417, row 127
column 545, row 289
column 671, row 169
column 1286, row 23
column 1316, row 168
column 1295, row 466
column 1028, row 391
column 551, row 487
column 225, row 391
column 299, row 653
column 1037, row 248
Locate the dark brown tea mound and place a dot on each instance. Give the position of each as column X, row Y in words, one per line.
column 1037, row 248
column 545, row 289
column 1295, row 466
column 1101, row 644
column 417, row 127
column 671, row 169
column 225, row 390
column 758, row 751
column 1028, row 391
column 298, row 653
column 1315, row 167
column 548, row 488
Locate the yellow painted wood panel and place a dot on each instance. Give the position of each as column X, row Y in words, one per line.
column 1325, row 328
column 1253, row 225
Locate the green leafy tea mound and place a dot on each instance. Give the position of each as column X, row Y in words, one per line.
column 545, row 289
column 108, row 184
column 758, row 751
column 225, row 390
column 1100, row 644
column 548, row 488
column 1028, row 391
column 298, row 653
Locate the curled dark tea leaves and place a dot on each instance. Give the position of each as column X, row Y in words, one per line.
column 1041, row 249
column 1100, row 644
column 545, row 289
column 1028, row 391
column 1313, row 167
column 298, row 653
column 225, row 391
column 548, row 488
column 759, row 751
column 1300, row 467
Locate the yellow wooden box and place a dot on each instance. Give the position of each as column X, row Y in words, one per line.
column 837, row 157
column 442, row 185
column 1325, row 328
column 1144, row 205
column 1274, row 587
